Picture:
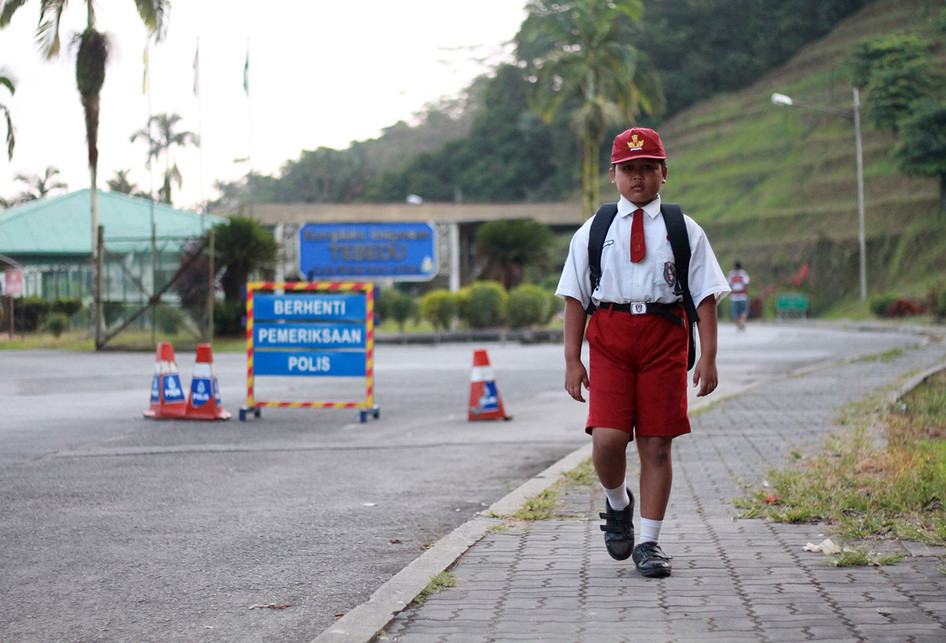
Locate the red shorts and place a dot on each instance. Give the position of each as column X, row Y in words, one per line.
column 638, row 374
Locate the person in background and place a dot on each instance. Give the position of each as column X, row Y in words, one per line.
column 739, row 283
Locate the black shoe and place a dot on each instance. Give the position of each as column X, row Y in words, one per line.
column 651, row 561
column 619, row 529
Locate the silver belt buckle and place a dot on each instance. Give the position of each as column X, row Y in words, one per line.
column 638, row 307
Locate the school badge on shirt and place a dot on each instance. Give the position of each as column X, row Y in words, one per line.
column 670, row 276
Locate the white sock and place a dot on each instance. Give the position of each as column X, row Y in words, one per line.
column 650, row 530
column 617, row 498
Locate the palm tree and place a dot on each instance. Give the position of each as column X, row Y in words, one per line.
column 7, row 82
column 242, row 246
column 39, row 187
column 161, row 143
column 121, row 183
column 578, row 57
column 507, row 248
column 90, row 76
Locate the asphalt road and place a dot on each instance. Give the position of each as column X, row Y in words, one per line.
column 116, row 527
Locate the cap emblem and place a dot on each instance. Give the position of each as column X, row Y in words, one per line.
column 636, row 143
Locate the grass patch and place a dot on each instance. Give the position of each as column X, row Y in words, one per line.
column 539, row 507
column 868, row 489
column 581, row 476
column 438, row 583
column 82, row 341
column 855, row 558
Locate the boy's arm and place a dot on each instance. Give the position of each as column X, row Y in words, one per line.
column 575, row 374
column 704, row 373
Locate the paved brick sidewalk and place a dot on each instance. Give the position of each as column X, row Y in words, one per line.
column 732, row 579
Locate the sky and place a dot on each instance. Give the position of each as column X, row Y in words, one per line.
column 322, row 73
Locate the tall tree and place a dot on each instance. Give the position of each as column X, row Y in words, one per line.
column 39, row 187
column 921, row 145
column 7, row 82
column 579, row 57
column 160, row 143
column 895, row 72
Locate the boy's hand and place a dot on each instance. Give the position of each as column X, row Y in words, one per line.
column 705, row 376
column 575, row 377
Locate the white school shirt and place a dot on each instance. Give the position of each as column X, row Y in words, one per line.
column 653, row 278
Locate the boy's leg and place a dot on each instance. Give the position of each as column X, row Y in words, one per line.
column 656, row 475
column 609, row 455
column 655, row 483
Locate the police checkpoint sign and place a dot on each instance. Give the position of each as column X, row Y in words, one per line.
column 328, row 344
column 322, row 330
column 365, row 251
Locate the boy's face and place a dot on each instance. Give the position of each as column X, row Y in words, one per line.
column 639, row 180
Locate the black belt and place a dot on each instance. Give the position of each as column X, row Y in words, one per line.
column 647, row 308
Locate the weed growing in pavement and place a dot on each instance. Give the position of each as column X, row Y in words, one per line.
column 855, row 558
column 865, row 488
column 581, row 476
column 438, row 583
column 539, row 507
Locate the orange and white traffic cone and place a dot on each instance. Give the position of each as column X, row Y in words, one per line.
column 485, row 401
column 167, row 395
column 204, row 400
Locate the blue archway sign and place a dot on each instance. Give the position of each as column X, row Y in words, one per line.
column 367, row 251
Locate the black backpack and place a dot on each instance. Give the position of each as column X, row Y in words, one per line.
column 679, row 243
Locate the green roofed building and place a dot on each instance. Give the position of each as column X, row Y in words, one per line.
column 50, row 240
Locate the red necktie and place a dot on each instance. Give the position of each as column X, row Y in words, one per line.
column 638, row 249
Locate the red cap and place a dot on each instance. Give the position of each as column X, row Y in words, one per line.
column 637, row 143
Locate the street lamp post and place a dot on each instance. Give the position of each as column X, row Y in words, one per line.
column 853, row 114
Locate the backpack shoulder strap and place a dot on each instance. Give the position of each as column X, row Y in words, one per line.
column 680, row 244
column 599, row 231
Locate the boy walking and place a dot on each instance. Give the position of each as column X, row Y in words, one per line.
column 638, row 340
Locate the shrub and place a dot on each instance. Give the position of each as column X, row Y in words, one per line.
column 57, row 323
column 880, row 304
column 67, row 307
column 936, row 303
column 439, row 307
column 905, row 308
column 397, row 305
column 527, row 306
column 30, row 313
column 485, row 306
column 228, row 318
